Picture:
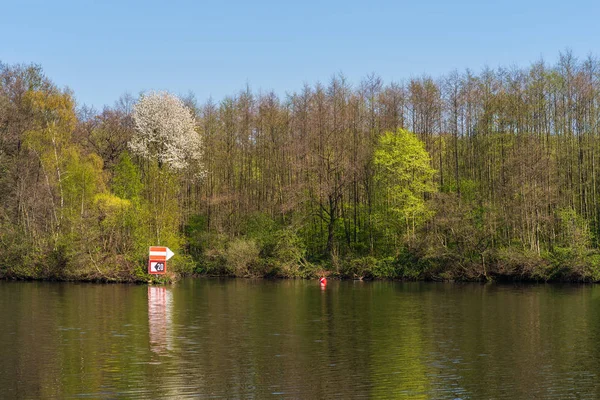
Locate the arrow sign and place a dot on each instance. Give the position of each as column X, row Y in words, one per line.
column 157, row 259
column 169, row 253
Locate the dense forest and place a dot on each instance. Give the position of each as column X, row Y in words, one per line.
column 470, row 176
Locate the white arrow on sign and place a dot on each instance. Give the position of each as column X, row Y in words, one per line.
column 169, row 253
column 160, row 251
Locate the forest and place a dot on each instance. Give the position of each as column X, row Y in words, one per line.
column 489, row 175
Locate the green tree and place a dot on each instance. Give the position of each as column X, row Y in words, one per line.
column 405, row 176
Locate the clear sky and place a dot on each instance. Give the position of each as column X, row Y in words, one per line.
column 101, row 49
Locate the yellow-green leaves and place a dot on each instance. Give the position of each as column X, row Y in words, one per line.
column 52, row 108
column 71, row 177
column 403, row 161
column 405, row 175
column 127, row 178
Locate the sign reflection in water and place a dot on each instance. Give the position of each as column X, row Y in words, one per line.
column 159, row 318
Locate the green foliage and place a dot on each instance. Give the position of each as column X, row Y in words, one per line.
column 127, row 180
column 83, row 180
column 241, row 256
column 182, row 265
column 409, row 265
column 17, row 253
column 195, row 234
column 469, row 190
column 592, row 267
column 513, row 263
column 575, row 231
column 385, row 268
column 405, row 175
column 262, row 229
column 281, row 251
column 289, row 251
column 404, row 164
column 359, row 268
column 322, row 184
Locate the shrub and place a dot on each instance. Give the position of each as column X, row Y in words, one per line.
column 308, row 270
column 593, row 267
column 288, row 252
column 359, row 268
column 409, row 266
column 521, row 264
column 260, row 228
column 208, row 251
column 241, row 255
column 385, row 268
column 183, row 265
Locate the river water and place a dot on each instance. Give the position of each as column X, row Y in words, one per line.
column 211, row 338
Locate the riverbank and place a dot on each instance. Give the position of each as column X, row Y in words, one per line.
column 515, row 267
column 409, row 266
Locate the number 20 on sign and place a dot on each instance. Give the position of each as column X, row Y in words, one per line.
column 157, row 260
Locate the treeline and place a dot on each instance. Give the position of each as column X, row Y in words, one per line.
column 498, row 181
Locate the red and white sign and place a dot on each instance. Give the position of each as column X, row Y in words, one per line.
column 157, row 261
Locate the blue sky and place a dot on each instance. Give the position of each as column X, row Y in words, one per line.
column 101, row 49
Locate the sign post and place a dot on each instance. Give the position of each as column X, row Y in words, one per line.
column 157, row 260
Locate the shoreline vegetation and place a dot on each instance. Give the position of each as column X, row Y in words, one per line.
column 464, row 177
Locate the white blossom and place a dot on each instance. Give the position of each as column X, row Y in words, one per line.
column 165, row 131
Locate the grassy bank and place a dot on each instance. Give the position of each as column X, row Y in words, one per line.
column 243, row 259
column 285, row 257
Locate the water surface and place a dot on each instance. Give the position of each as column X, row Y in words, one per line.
column 239, row 338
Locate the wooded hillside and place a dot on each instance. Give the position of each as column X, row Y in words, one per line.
column 466, row 176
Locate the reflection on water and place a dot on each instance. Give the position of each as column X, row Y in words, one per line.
column 291, row 339
column 159, row 318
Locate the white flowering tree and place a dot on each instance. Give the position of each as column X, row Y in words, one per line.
column 165, row 131
column 165, row 134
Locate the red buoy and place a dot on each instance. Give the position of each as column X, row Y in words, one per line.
column 323, row 281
